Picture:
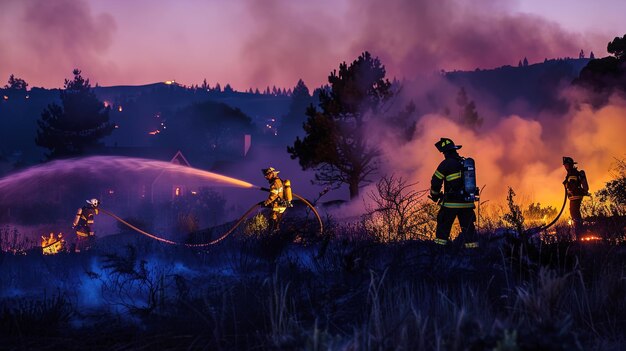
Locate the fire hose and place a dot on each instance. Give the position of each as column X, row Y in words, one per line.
column 223, row 236
column 536, row 230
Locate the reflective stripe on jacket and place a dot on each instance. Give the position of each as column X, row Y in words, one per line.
column 449, row 173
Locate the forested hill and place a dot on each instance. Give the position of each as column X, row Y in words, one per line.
column 531, row 87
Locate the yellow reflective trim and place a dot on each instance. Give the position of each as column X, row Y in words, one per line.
column 433, row 192
column 459, row 205
column 453, row 176
column 439, row 175
column 440, row 241
column 574, row 197
column 471, row 245
column 572, row 178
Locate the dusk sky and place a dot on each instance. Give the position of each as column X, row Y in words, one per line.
column 258, row 43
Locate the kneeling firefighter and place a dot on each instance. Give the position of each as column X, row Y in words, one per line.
column 82, row 224
column 457, row 174
column 279, row 198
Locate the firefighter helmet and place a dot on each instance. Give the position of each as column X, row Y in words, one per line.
column 93, row 202
column 268, row 171
column 445, row 144
column 568, row 160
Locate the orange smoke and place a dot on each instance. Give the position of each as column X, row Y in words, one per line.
column 522, row 153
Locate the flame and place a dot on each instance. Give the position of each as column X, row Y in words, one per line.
column 590, row 237
column 52, row 245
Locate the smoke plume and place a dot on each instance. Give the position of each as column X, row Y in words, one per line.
column 53, row 34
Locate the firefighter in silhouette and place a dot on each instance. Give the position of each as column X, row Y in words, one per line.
column 279, row 197
column 577, row 187
column 82, row 224
column 455, row 201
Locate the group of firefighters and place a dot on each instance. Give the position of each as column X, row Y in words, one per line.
column 455, row 202
column 454, row 173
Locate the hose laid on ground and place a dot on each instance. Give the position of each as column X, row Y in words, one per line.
column 237, row 224
column 184, row 244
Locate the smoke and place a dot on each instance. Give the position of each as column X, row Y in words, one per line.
column 291, row 40
column 54, row 34
column 518, row 151
column 414, row 37
column 411, row 37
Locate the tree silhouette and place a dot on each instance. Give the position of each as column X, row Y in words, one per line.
column 525, row 62
column 468, row 116
column 335, row 145
column 15, row 83
column 605, row 75
column 292, row 122
column 206, row 129
column 617, row 47
column 79, row 124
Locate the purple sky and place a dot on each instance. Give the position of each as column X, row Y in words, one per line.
column 256, row 43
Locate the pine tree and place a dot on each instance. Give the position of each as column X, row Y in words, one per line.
column 335, row 145
column 79, row 124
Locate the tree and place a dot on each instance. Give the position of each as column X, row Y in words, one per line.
column 592, row 56
column 291, row 124
column 525, row 62
column 605, row 75
column 468, row 116
column 335, row 145
column 581, row 55
column 206, row 129
column 617, row 47
column 79, row 124
column 15, row 83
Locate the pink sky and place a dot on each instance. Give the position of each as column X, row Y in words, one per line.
column 256, row 43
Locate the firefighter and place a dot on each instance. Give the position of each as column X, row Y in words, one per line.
column 82, row 224
column 276, row 199
column 577, row 187
column 453, row 202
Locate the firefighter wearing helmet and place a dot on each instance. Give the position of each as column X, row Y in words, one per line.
column 577, row 187
column 276, row 199
column 456, row 200
column 83, row 225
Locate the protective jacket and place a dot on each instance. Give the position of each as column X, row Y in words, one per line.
column 84, row 220
column 576, row 184
column 275, row 198
column 450, row 174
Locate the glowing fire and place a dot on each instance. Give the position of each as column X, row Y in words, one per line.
column 52, row 245
column 590, row 237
